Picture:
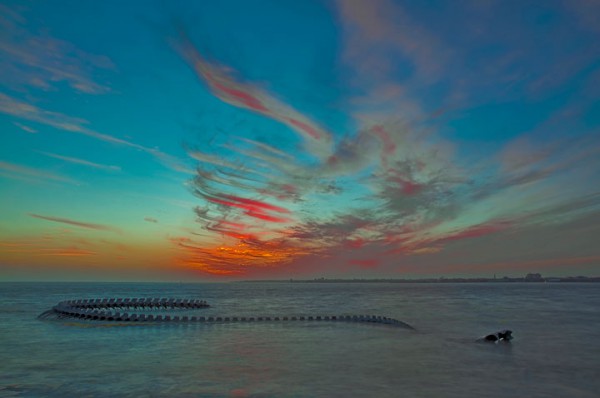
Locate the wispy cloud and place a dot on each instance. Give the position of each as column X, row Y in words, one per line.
column 378, row 26
column 463, row 68
column 82, row 224
column 399, row 189
column 17, row 108
column 249, row 96
column 14, row 107
column 25, row 128
column 44, row 247
column 37, row 60
column 151, row 219
column 82, row 162
column 66, row 252
column 53, row 241
column 12, row 170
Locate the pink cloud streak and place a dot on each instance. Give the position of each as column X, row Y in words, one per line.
column 248, row 96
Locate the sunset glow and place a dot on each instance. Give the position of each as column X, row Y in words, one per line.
column 350, row 139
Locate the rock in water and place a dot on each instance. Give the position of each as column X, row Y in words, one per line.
column 504, row 336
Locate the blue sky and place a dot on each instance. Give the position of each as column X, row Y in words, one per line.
column 243, row 139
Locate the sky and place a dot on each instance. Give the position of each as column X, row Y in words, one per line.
column 267, row 139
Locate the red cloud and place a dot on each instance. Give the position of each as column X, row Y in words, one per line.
column 256, row 203
column 253, row 208
column 266, row 217
column 244, row 98
column 308, row 129
column 245, row 95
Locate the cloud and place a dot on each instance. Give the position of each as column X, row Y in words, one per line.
column 47, row 245
column 12, row 170
column 58, row 244
column 250, row 207
column 378, row 39
column 586, row 11
column 381, row 24
column 236, row 259
column 390, row 190
column 36, row 60
column 398, row 60
column 418, row 199
column 99, row 227
column 25, row 128
column 268, row 149
column 298, row 184
column 67, row 252
column 82, row 162
column 172, row 162
column 248, row 96
column 150, row 219
column 14, row 107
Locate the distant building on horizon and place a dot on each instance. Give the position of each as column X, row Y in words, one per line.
column 534, row 277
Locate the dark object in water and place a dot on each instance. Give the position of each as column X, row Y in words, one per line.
column 504, row 336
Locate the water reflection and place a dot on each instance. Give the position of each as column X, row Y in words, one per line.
column 309, row 359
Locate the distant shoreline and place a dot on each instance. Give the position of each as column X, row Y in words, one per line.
column 567, row 279
column 440, row 280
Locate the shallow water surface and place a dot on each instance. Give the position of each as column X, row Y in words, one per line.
column 554, row 354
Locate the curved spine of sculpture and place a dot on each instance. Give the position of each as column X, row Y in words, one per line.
column 110, row 310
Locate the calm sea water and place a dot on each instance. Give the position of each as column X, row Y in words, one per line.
column 556, row 351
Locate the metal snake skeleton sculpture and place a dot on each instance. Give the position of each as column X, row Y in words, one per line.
column 106, row 310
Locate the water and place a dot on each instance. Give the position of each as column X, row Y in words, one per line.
column 555, row 353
